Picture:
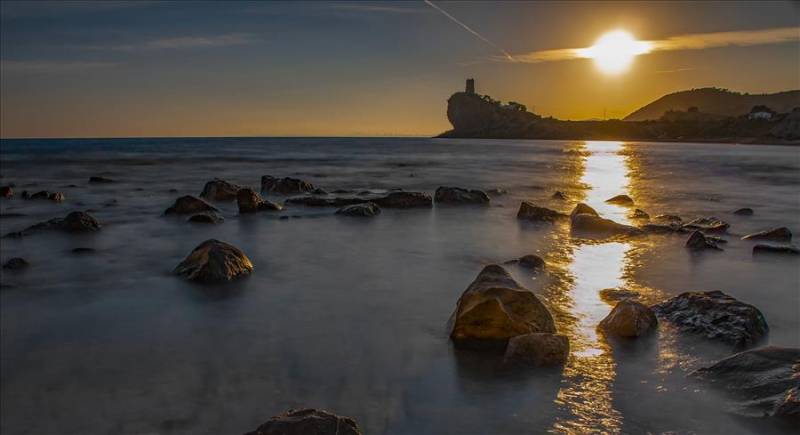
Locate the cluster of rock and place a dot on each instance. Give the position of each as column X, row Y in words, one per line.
column 75, row 222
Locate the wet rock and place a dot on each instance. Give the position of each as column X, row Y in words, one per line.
column 220, row 190
column 52, row 196
column 617, row 294
column 716, row 316
column 208, row 217
column 98, row 179
column 495, row 308
column 746, row 211
column 319, row 191
column 213, row 261
column 537, row 350
column 367, row 209
column 698, row 242
column 531, row 212
column 773, row 249
column 781, row 234
column 251, row 202
column 285, row 186
column 652, row 228
column 620, row 200
column 6, row 192
column 189, row 204
column 404, row 200
column 708, row 225
column 321, row 201
column 496, row 192
column 629, row 319
column 559, row 195
column 595, row 225
column 668, row 218
column 457, row 195
column 16, row 263
column 56, row 197
column 308, row 422
column 640, row 214
column 531, row 261
column 760, row 383
column 82, row 250
column 582, row 208
column 75, row 222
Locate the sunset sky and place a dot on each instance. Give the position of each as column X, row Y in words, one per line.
column 106, row 69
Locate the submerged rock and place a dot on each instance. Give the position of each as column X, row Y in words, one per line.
column 698, row 242
column 620, row 200
column 285, row 186
column 663, row 228
column 189, row 204
column 531, row 261
column 457, row 195
column 16, row 263
column 708, row 225
column 6, row 192
column 251, row 202
column 772, row 249
column 559, row 195
column 367, row 209
column 582, row 208
column 716, row 316
column 75, row 222
column 531, row 212
column 308, row 422
column 98, row 179
column 496, row 192
column 537, row 349
column 761, row 382
column 596, row 225
column 640, row 214
column 404, row 200
column 629, row 319
column 220, row 190
column 746, row 211
column 617, row 294
column 781, row 234
column 207, row 217
column 668, row 218
column 495, row 308
column 213, row 261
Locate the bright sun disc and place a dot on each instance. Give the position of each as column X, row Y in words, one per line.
column 613, row 53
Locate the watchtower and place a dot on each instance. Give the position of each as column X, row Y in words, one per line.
column 470, row 86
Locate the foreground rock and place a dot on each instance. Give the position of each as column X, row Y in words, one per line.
column 772, row 249
column 99, row 180
column 708, row 225
column 308, row 422
column 698, row 242
column 214, row 261
column 629, row 319
column 595, row 225
column 716, row 316
column 189, row 204
column 285, row 186
column 457, row 195
column 762, row 382
column 781, row 234
column 404, row 200
column 75, row 222
column 746, row 211
column 220, row 190
column 620, row 200
column 537, row 349
column 582, row 208
column 531, row 212
column 251, row 202
column 208, row 217
column 367, row 209
column 495, row 308
column 6, row 192
column 16, row 263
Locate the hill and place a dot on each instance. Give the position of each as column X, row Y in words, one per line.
column 716, row 101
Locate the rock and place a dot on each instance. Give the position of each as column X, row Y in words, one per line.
column 367, row 209
column 537, row 349
column 308, row 422
column 25, row 195
column 319, row 191
column 6, row 192
column 75, row 222
column 495, row 308
column 457, row 195
column 617, row 294
column 52, row 196
column 761, row 382
column 640, row 214
column 716, row 239
column 529, row 211
column 251, row 202
column 496, row 191
column 559, row 195
column 781, row 234
column 213, row 261
column 318, row 201
column 716, row 316
column 698, row 242
column 629, row 319
column 16, row 263
column 772, row 249
column 663, row 228
column 582, row 208
column 404, row 200
column 285, row 186
column 474, row 116
column 668, row 218
column 620, row 200
column 206, row 217
column 596, row 225
column 746, row 211
column 708, row 225
column 189, row 204
column 97, row 179
column 531, row 261
column 82, row 250
column 56, row 197
column 220, row 190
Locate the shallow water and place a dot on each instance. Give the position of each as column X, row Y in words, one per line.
column 349, row 314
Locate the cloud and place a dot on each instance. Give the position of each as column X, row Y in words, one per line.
column 182, row 42
column 696, row 41
column 51, row 66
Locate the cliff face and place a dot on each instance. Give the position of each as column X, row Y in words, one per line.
column 475, row 116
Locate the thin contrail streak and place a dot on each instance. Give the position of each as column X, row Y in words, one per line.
column 468, row 29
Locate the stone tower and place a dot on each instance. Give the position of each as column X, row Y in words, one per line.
column 470, row 86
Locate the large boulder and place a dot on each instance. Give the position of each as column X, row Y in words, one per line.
column 285, row 186
column 537, row 349
column 716, row 316
column 582, row 208
column 595, row 225
column 189, row 204
column 457, row 195
column 620, row 200
column 495, row 308
column 220, row 190
column 213, row 261
column 404, row 200
column 367, row 209
column 629, row 319
column 251, row 202
column 781, row 234
column 75, row 222
column 308, row 422
column 708, row 225
column 698, row 241
column 761, row 382
column 531, row 212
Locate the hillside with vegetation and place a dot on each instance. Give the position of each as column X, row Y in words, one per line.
column 716, row 101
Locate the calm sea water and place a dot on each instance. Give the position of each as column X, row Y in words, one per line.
column 350, row 314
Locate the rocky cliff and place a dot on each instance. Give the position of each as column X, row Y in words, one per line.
column 474, row 115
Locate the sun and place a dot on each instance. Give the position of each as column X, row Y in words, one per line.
column 613, row 53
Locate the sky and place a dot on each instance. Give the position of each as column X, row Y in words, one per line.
column 142, row 68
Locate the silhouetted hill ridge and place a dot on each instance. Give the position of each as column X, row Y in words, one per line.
column 716, row 101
